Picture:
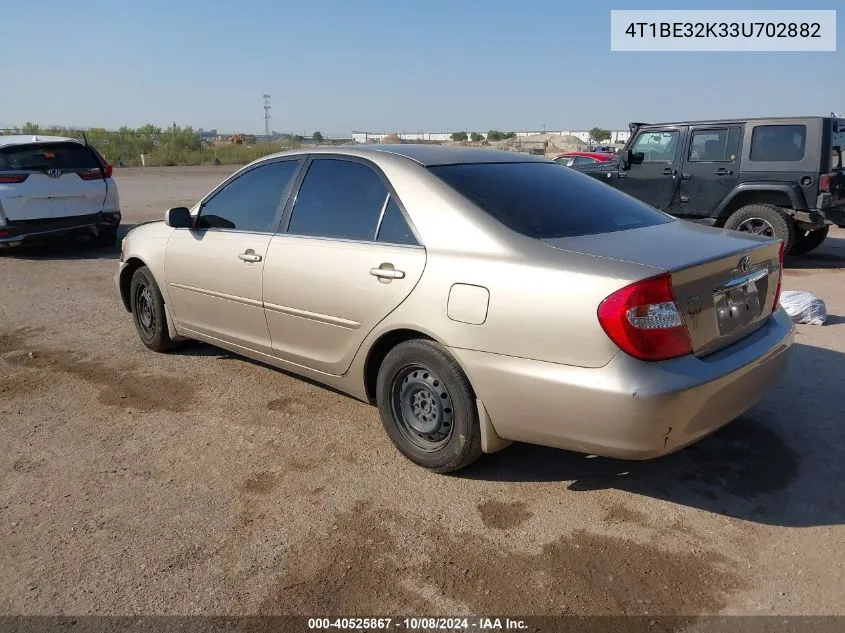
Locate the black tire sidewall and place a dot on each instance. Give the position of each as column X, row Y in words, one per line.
column 810, row 241
column 783, row 225
column 464, row 445
column 161, row 337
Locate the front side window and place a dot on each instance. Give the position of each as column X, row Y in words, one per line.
column 714, row 145
column 778, row 142
column 339, row 199
column 542, row 201
column 657, row 147
column 251, row 201
column 583, row 160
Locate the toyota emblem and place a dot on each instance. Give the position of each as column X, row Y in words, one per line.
column 54, row 173
column 744, row 263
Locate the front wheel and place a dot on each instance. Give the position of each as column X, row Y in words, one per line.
column 427, row 406
column 148, row 311
column 807, row 241
column 764, row 219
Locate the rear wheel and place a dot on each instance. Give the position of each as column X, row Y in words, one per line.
column 806, row 241
column 764, row 219
column 427, row 406
column 107, row 236
column 148, row 311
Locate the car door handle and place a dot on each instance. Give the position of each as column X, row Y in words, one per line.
column 387, row 271
column 723, row 172
column 249, row 256
column 668, row 172
column 686, row 176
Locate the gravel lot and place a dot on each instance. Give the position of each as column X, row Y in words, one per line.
column 200, row 483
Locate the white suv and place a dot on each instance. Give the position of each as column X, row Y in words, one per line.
column 55, row 187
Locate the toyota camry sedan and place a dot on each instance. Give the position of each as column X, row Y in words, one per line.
column 476, row 296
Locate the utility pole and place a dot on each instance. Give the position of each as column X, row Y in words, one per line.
column 267, row 119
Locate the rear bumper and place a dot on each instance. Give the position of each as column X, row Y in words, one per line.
column 20, row 232
column 628, row 409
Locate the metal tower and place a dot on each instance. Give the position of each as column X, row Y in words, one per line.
column 267, row 116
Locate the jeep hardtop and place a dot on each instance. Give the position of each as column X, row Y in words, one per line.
column 781, row 177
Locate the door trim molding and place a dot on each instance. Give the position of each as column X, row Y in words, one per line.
column 218, row 295
column 313, row 316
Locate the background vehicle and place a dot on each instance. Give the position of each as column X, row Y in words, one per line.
column 54, row 187
column 467, row 293
column 583, row 158
column 776, row 177
column 604, row 149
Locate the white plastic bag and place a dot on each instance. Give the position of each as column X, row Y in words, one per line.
column 803, row 307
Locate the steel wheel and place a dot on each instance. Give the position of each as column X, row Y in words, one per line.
column 758, row 226
column 145, row 312
column 422, row 407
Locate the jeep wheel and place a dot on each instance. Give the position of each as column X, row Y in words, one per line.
column 806, row 241
column 764, row 219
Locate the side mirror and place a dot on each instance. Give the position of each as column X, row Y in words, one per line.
column 628, row 158
column 178, row 218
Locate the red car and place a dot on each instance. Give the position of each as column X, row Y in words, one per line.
column 583, row 158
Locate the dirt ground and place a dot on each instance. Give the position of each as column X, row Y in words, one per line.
column 197, row 482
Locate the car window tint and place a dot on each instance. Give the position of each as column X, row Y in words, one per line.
column 583, row 160
column 340, row 199
column 394, row 229
column 778, row 142
column 716, row 145
column 657, row 147
column 250, row 202
column 46, row 156
column 541, row 200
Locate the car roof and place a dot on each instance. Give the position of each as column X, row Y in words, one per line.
column 729, row 121
column 427, row 155
column 31, row 139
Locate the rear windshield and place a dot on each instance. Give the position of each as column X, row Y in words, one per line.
column 546, row 200
column 47, row 156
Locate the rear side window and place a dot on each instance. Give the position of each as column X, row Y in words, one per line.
column 251, row 201
column 778, row 142
column 714, row 145
column 340, row 199
column 41, row 157
column 543, row 201
column 394, row 229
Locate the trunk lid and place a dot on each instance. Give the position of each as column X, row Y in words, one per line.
column 722, row 296
column 53, row 187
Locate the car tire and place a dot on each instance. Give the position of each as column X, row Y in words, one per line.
column 427, row 406
column 806, row 241
column 107, row 236
column 148, row 312
column 764, row 219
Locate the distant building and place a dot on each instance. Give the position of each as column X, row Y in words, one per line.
column 616, row 136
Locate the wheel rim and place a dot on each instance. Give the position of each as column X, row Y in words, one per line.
column 758, row 226
column 144, row 313
column 422, row 408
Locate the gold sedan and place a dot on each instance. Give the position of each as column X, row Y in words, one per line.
column 477, row 296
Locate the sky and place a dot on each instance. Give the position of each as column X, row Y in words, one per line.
column 377, row 65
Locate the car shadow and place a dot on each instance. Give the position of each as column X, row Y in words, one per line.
column 831, row 254
column 68, row 248
column 780, row 464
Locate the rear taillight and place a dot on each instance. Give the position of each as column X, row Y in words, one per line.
column 91, row 174
column 824, row 183
column 643, row 319
column 7, row 179
column 776, row 302
column 108, row 170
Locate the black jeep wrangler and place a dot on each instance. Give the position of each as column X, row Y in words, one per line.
column 777, row 177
